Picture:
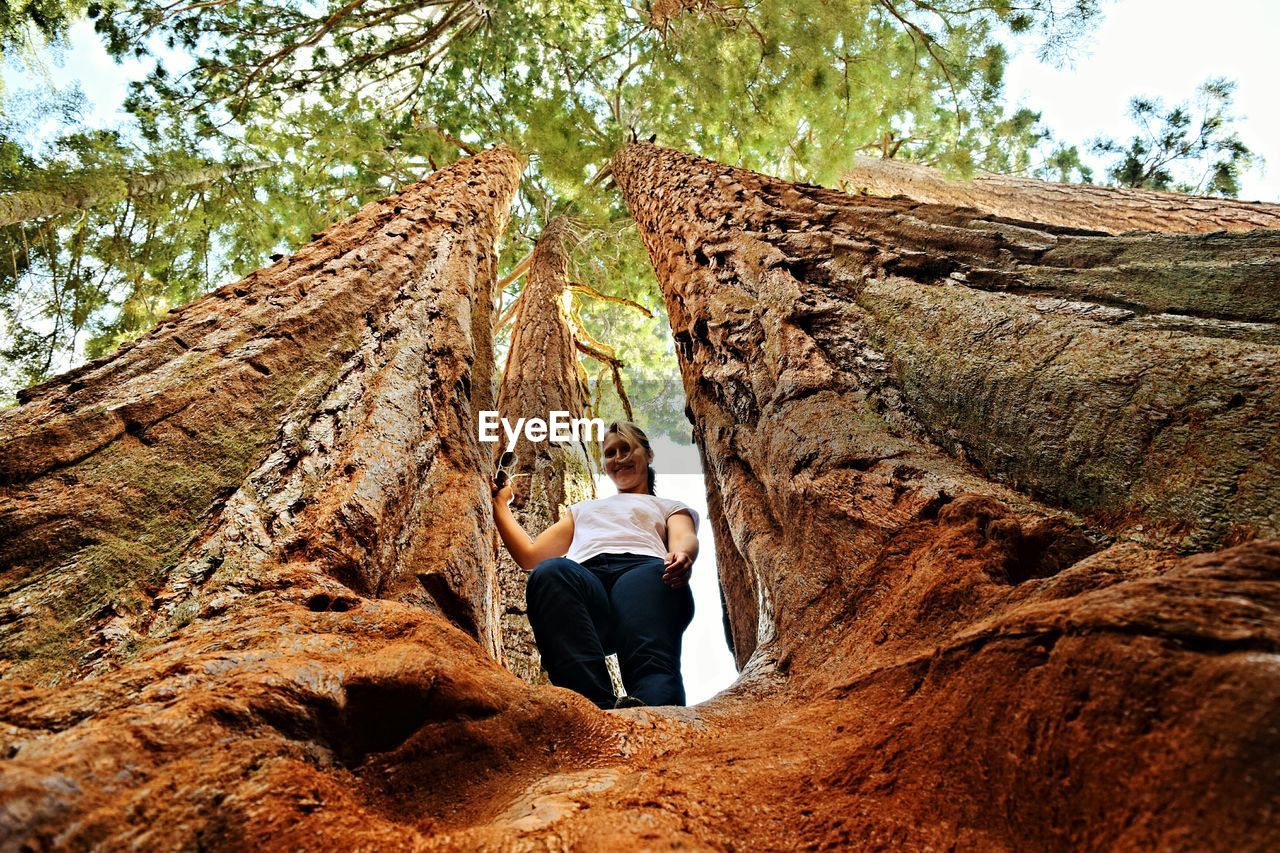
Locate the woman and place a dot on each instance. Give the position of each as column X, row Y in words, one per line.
column 611, row 575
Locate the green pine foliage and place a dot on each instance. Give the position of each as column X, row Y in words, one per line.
column 25, row 24
column 76, row 284
column 1190, row 147
column 351, row 99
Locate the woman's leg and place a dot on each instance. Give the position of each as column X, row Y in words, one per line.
column 569, row 611
column 649, row 619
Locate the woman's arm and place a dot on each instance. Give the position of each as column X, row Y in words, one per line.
column 682, row 550
column 526, row 551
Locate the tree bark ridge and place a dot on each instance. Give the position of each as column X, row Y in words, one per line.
column 1112, row 210
column 320, row 410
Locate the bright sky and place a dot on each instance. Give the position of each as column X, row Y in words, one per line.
column 1164, row 48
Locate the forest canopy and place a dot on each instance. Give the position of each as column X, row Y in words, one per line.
column 257, row 124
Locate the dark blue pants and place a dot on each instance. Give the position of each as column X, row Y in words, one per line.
column 581, row 612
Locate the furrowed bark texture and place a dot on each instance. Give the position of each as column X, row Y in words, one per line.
column 541, row 377
column 1132, row 379
column 881, row 391
column 320, row 411
column 1111, row 210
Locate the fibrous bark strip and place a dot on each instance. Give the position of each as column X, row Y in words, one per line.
column 1112, row 210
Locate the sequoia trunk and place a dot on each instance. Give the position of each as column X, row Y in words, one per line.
column 1108, row 209
column 320, row 411
column 242, row 525
column 950, row 474
column 541, row 376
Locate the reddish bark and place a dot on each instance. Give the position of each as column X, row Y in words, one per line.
column 541, row 376
column 321, row 410
column 1112, row 210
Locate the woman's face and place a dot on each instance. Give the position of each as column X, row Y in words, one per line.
column 626, row 463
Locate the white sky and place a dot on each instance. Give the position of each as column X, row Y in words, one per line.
column 1164, row 48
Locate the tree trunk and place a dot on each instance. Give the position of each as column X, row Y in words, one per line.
column 967, row 664
column 998, row 350
column 318, row 412
column 88, row 191
column 541, row 376
column 1081, row 206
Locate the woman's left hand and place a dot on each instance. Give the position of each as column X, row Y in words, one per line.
column 677, row 568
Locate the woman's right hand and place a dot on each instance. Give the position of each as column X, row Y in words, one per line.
column 502, row 494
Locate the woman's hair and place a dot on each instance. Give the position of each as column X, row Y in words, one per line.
column 635, row 435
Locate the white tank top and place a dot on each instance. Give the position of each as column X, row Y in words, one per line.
column 623, row 524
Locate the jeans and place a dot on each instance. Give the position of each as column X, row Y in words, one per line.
column 581, row 612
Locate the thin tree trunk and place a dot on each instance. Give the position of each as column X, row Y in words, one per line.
column 541, row 376
column 1111, row 210
column 876, row 430
column 83, row 192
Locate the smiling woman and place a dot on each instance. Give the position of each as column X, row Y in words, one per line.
column 611, row 576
